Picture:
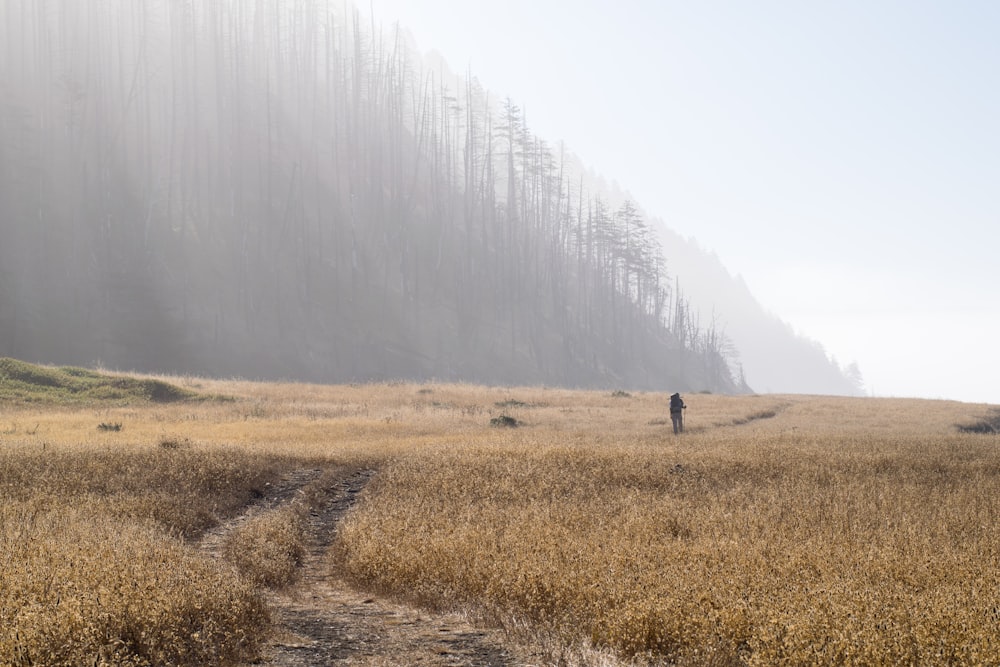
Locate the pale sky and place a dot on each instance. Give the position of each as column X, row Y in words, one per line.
column 842, row 157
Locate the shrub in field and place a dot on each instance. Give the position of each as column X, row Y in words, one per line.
column 504, row 421
column 987, row 425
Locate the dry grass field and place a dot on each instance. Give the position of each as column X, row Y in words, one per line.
column 777, row 530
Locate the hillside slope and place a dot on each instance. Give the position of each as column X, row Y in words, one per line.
column 772, row 355
column 279, row 192
column 270, row 192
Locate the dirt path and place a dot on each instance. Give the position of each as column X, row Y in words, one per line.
column 321, row 621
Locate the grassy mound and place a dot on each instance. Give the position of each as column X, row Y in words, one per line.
column 30, row 383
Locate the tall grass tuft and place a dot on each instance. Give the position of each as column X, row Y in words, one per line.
column 80, row 589
column 269, row 548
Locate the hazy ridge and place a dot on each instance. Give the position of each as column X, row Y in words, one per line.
column 275, row 193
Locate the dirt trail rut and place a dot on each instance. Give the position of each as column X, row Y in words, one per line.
column 322, row 621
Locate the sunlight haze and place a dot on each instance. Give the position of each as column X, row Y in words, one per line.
column 841, row 158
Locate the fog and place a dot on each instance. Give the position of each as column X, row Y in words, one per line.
column 242, row 189
column 278, row 191
column 839, row 157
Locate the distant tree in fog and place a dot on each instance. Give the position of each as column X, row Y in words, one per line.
column 282, row 190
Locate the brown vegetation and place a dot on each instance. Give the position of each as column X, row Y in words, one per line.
column 778, row 530
column 94, row 566
column 834, row 531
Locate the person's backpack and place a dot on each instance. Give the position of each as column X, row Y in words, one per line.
column 676, row 403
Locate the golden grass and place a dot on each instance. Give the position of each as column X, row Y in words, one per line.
column 835, row 531
column 270, row 547
column 80, row 589
column 778, row 530
column 93, row 559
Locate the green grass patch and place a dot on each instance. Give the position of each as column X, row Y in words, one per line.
column 22, row 382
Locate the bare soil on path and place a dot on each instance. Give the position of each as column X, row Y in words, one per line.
column 322, row 621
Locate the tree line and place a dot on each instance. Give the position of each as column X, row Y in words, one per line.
column 275, row 189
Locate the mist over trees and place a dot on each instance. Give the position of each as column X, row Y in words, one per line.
column 281, row 190
column 772, row 355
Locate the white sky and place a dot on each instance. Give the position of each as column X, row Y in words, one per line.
column 843, row 157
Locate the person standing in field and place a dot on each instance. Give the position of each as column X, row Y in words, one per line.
column 677, row 408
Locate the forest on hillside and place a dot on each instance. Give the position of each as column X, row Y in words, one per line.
column 282, row 190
